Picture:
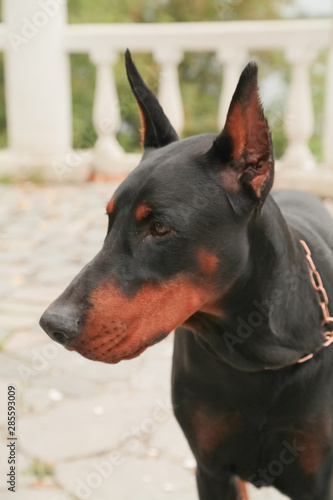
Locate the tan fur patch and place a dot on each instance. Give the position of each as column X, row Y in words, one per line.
column 208, row 262
column 315, row 438
column 110, row 207
column 142, row 211
column 119, row 327
column 211, row 430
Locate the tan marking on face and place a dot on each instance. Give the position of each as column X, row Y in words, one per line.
column 212, row 430
column 117, row 327
column 208, row 262
column 110, row 207
column 142, row 211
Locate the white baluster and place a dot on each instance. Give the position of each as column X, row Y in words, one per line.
column 299, row 120
column 169, row 93
column 328, row 120
column 37, row 81
column 231, row 61
column 106, row 115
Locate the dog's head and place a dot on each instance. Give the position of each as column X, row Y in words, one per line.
column 177, row 235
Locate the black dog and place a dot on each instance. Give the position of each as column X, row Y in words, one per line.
column 196, row 242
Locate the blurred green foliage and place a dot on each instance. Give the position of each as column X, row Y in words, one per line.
column 157, row 11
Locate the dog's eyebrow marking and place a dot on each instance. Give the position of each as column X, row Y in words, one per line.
column 110, row 207
column 142, row 211
column 208, row 261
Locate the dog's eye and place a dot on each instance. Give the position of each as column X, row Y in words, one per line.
column 159, row 229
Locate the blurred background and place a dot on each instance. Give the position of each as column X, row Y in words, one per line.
column 200, row 77
column 69, row 132
column 200, row 74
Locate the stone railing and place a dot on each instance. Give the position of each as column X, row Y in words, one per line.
column 37, row 42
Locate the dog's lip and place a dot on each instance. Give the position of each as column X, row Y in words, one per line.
column 134, row 354
column 127, row 355
column 69, row 348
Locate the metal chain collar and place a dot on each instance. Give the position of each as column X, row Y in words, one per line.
column 322, row 300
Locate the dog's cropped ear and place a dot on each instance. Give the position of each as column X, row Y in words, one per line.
column 244, row 147
column 156, row 131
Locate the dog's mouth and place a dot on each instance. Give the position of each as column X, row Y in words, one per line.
column 117, row 327
column 113, row 352
column 141, row 349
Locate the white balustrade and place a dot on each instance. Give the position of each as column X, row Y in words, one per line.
column 37, row 42
column 37, row 80
column 106, row 114
column 169, row 89
column 299, row 119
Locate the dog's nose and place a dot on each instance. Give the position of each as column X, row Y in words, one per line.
column 62, row 328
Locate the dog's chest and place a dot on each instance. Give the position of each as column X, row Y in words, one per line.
column 230, row 441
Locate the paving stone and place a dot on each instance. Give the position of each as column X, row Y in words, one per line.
column 170, row 442
column 40, row 360
column 42, row 294
column 37, row 494
column 13, row 256
column 127, row 479
column 35, row 400
column 19, row 269
column 5, row 288
column 18, row 307
column 77, row 227
column 154, row 371
column 87, row 253
column 15, row 322
column 23, row 339
column 4, row 333
column 96, row 236
column 14, row 369
column 75, row 364
column 123, row 371
column 81, row 428
column 46, row 260
column 68, row 385
column 3, row 402
column 56, row 275
column 22, row 464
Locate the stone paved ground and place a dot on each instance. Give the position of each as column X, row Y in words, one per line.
column 85, row 430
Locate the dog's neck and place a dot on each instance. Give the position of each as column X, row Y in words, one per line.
column 270, row 318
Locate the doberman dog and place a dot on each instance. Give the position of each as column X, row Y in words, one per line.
column 196, row 242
